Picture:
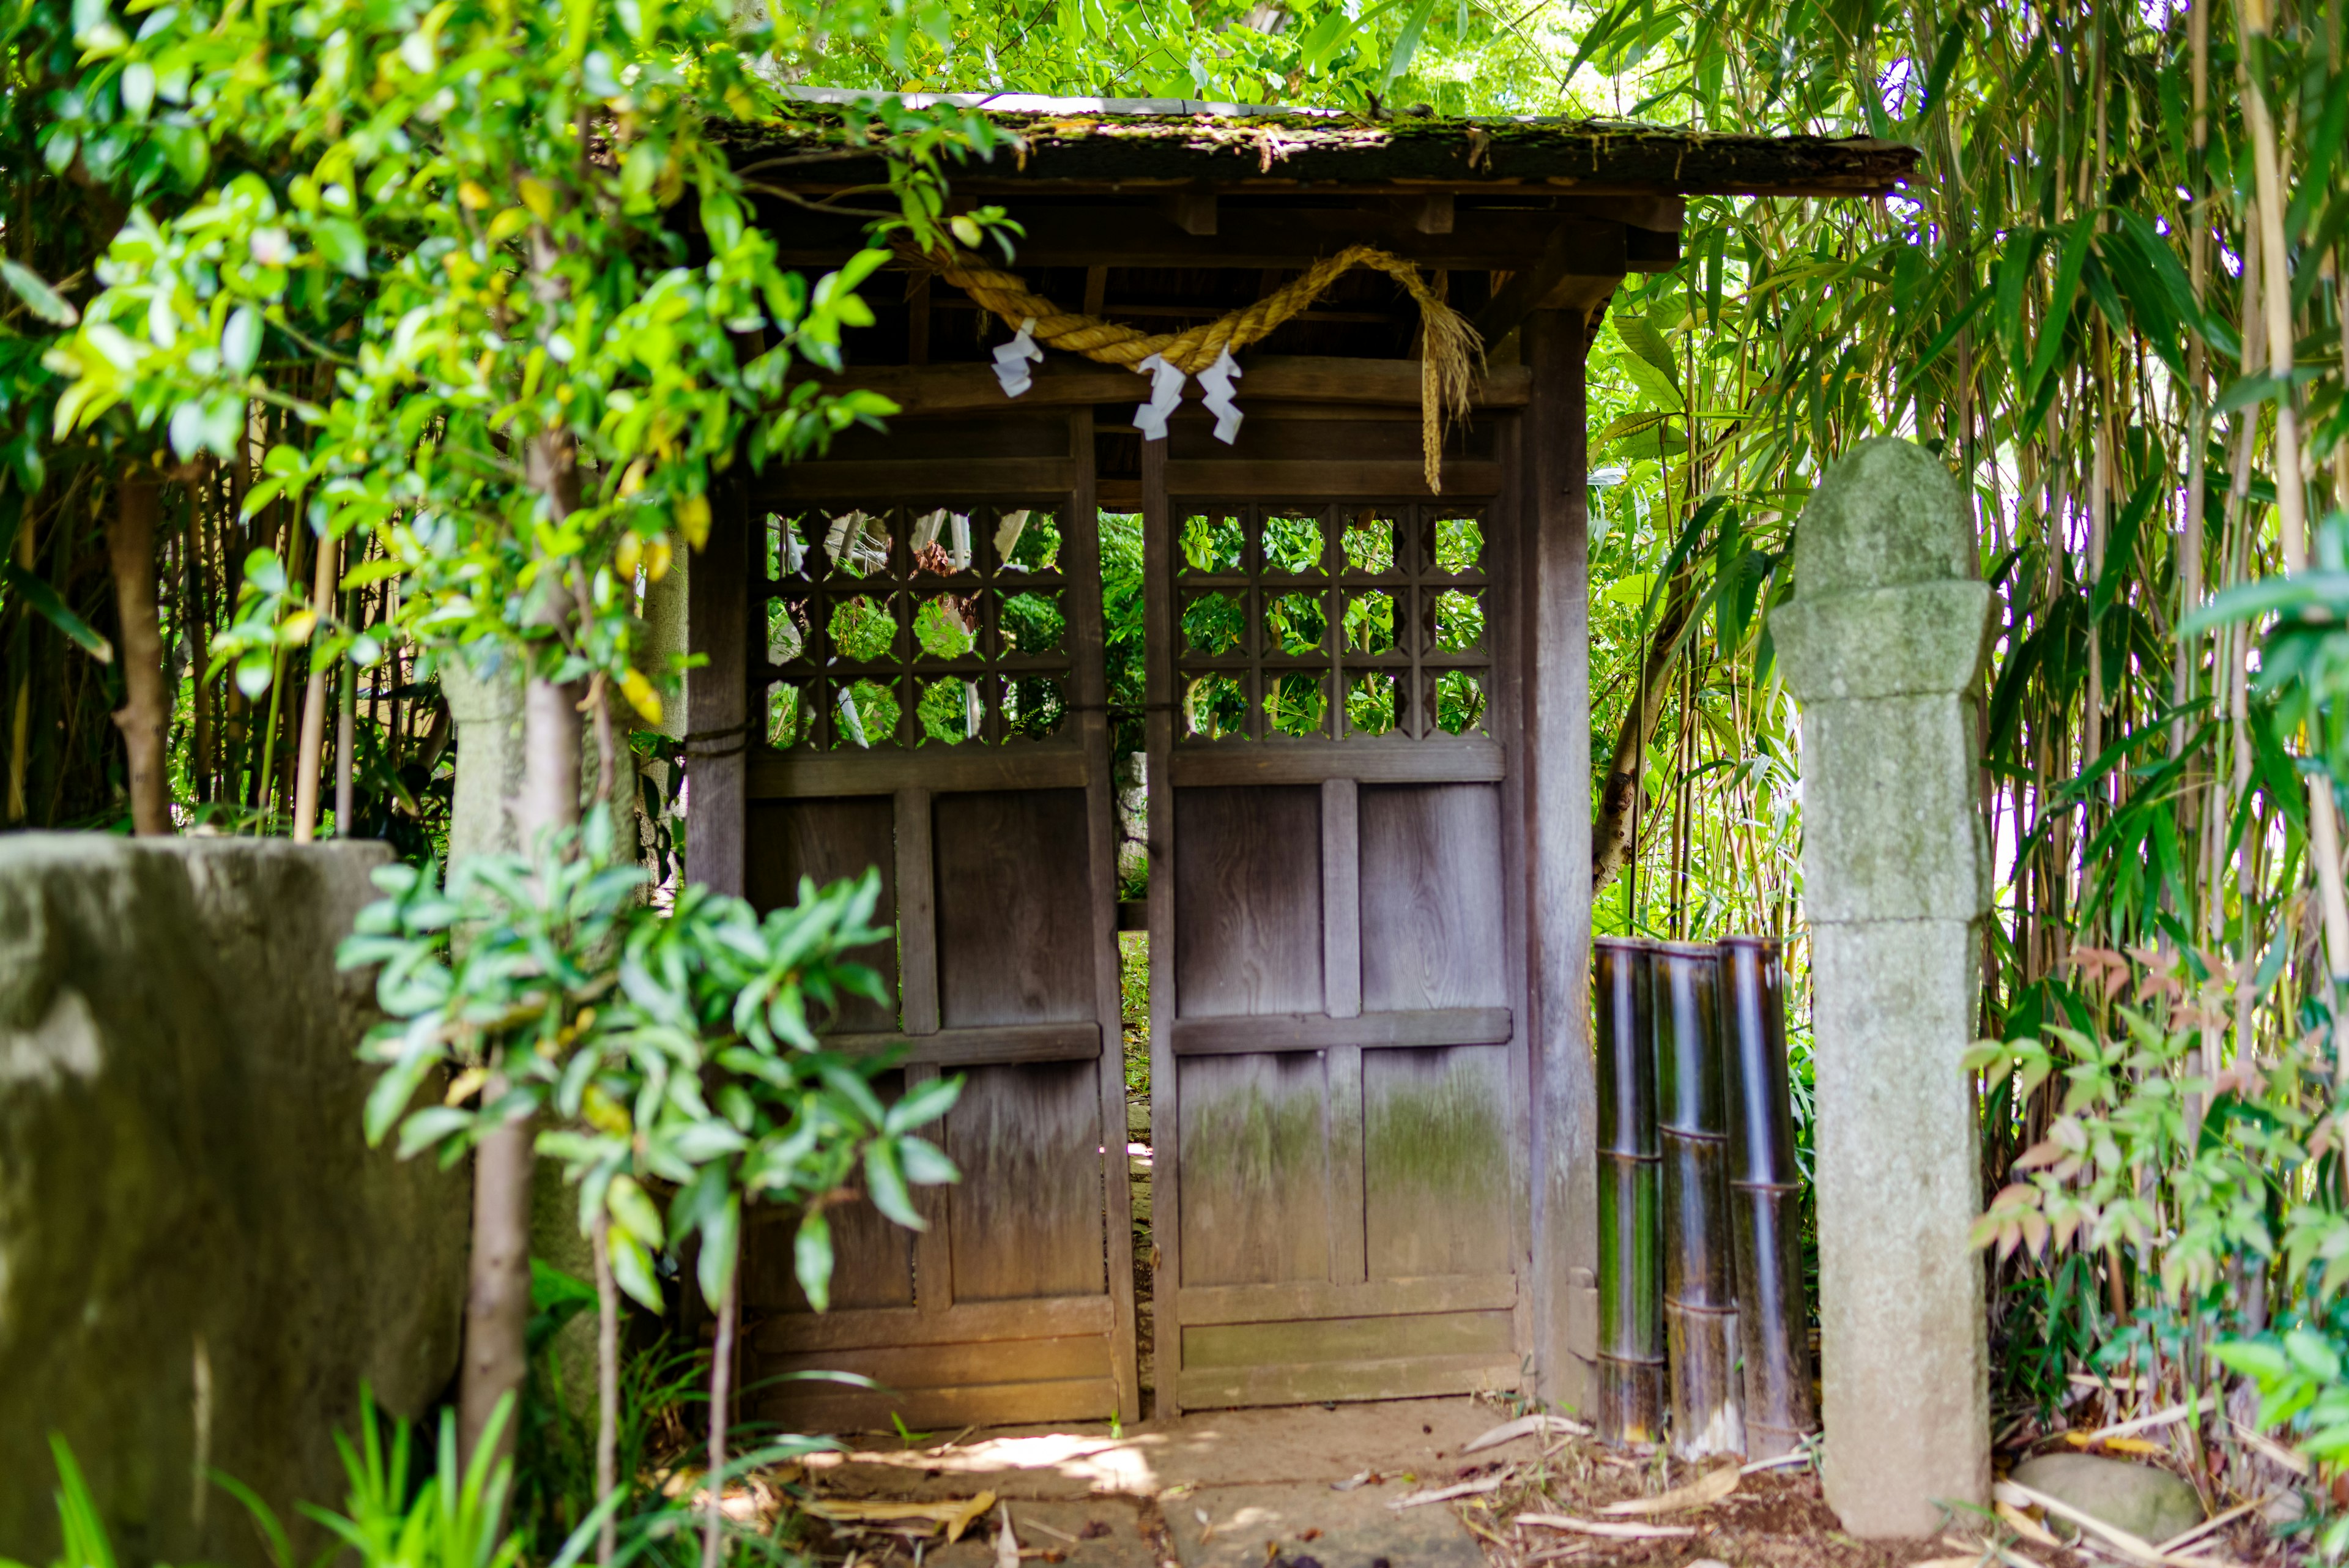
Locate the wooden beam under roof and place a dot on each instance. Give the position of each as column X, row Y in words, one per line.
column 1063, row 380
column 1480, row 239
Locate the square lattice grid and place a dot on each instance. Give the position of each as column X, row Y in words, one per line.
column 1330, row 622
column 904, row 626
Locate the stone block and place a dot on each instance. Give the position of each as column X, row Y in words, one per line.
column 1904, row 1372
column 1889, row 802
column 1883, row 642
column 199, row 1258
column 1887, row 512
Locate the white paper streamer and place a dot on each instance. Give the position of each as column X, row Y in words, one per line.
column 1166, row 393
column 1216, row 380
column 1011, row 361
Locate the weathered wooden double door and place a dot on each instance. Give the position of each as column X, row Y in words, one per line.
column 1339, row 1075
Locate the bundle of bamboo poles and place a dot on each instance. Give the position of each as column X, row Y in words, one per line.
column 1702, row 1308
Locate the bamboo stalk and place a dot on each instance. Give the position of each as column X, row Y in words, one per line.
column 313, row 697
column 1764, row 1198
column 1700, row 1334
column 1631, row 1282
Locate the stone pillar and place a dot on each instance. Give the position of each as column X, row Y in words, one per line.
column 1885, row 633
column 487, row 710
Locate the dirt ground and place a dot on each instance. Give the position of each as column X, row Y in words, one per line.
column 1317, row 1487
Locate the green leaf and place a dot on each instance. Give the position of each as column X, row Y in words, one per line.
column 812, row 1259
column 342, row 244
column 53, row 609
column 632, row 1269
column 887, row 1180
column 925, row 1164
column 721, row 1237
column 921, row 1103
column 39, row 298
column 634, row 1212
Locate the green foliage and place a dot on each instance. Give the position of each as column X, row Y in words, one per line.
column 85, row 1542
column 670, row 1047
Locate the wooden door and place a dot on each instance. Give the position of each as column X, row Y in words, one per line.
column 1339, row 1076
column 932, row 705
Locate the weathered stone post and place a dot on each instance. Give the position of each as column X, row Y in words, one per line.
column 1886, row 630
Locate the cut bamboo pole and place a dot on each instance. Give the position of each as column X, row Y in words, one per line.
column 1764, row 1198
column 1700, row 1297
column 1630, row 1238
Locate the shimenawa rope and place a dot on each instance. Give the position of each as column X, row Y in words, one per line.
column 1449, row 347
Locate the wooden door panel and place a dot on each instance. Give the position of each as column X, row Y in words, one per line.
column 1247, row 900
column 1435, row 1145
column 1027, row 1215
column 1014, row 908
column 824, row 840
column 1432, row 930
column 1348, row 1358
column 1254, row 1151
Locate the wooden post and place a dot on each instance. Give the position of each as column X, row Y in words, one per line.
column 1159, row 699
column 1555, row 650
column 718, row 692
column 1089, row 698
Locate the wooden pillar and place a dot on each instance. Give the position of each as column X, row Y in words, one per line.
column 1555, row 649
column 717, row 709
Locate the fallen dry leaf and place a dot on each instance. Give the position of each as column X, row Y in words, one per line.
column 1610, row 1529
column 1442, row 1494
column 956, row 1515
column 1699, row 1493
column 2025, row 1526
column 1525, row 1426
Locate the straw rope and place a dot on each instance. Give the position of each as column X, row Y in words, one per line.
column 1449, row 347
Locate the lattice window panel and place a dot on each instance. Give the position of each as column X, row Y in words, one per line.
column 1344, row 621
column 906, row 626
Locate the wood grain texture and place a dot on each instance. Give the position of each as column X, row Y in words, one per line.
column 916, row 920
column 1254, row 1152
column 825, row 840
column 1081, row 559
column 1042, row 765
column 1248, row 885
column 1307, row 1341
column 1158, row 549
column 1341, row 900
column 1269, row 378
column 1349, row 1236
column 1328, row 479
column 1015, row 903
column 1444, row 760
column 1553, row 644
column 1027, row 1215
column 883, row 1328
column 943, row 479
column 718, row 691
column 1403, row 1377
column 1073, row 1041
column 1432, row 919
column 1372, row 1298
column 1244, row 1033
column 1435, row 1124
column 821, row 1407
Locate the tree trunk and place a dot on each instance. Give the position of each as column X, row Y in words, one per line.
column 147, row 707
column 607, row 1384
column 497, row 1305
column 721, row 1395
column 1611, row 842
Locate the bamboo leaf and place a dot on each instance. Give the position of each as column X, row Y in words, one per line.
column 39, row 298
column 56, row 611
